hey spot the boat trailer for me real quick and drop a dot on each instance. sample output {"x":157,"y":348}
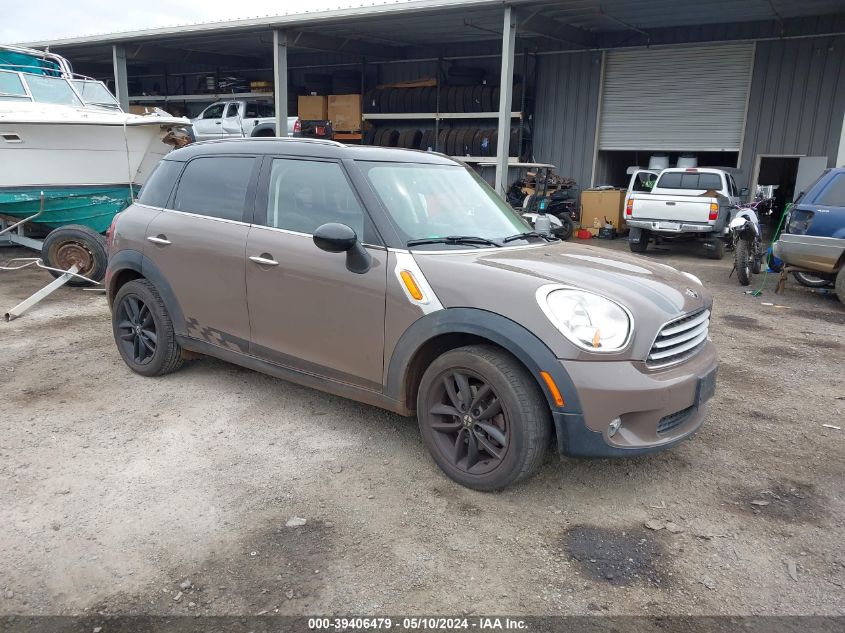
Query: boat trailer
{"x":14,"y":234}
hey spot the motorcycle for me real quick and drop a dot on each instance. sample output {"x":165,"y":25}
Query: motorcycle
{"x":747,"y":240}
{"x":559,"y":211}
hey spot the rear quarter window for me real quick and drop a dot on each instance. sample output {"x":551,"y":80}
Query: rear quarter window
{"x":156,"y":191}
{"x":833,"y":195}
{"x":215,"y":186}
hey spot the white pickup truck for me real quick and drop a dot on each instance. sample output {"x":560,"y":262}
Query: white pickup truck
{"x":681,"y":203}
{"x":238,"y":119}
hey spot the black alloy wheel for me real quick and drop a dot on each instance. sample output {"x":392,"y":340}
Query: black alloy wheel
{"x":483,"y":417}
{"x":136,"y":328}
{"x":470,"y":424}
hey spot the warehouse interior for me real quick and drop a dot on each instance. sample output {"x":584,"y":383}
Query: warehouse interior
{"x":592,"y":88}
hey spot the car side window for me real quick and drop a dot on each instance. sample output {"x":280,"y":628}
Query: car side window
{"x":215,"y":186}
{"x":213,"y":112}
{"x":156,"y":191}
{"x":833,"y":195}
{"x":305,"y":194}
{"x":232,"y":110}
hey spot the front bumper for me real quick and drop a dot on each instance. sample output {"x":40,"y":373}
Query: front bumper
{"x":657,"y":409}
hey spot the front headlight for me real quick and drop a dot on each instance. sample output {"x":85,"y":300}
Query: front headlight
{"x":588,"y":320}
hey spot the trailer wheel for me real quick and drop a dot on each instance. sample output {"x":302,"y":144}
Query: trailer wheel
{"x":76,"y":244}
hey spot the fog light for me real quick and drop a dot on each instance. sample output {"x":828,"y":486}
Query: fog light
{"x":613,"y":427}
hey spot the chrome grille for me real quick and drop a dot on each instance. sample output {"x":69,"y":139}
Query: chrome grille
{"x":679,"y":339}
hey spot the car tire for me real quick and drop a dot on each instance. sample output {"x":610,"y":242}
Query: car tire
{"x":143,"y":330}
{"x":811,"y":281}
{"x":717,"y":249}
{"x":839,"y":285}
{"x":742,"y":261}
{"x":76,"y":244}
{"x":493,"y":432}
{"x":642,"y":245}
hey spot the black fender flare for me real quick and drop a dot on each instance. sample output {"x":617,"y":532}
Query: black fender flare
{"x":135,"y":260}
{"x":261,"y":127}
{"x":509,"y":335}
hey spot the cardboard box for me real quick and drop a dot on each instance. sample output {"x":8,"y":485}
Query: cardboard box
{"x":598,"y":204}
{"x":345,"y":112}
{"x":312,"y":108}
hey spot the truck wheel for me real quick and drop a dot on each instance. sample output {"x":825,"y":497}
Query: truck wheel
{"x":717,"y":249}
{"x":742,"y":260}
{"x":641,"y":245}
{"x":483,"y":417}
{"x":76,"y":244}
{"x":840,"y":285}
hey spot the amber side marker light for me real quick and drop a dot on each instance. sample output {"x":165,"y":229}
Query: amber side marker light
{"x":550,"y":383}
{"x":411,"y":285}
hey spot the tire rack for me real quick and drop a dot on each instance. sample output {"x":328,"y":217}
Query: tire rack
{"x":465,"y":102}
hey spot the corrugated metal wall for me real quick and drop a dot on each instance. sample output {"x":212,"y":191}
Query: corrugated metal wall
{"x":797,"y":100}
{"x":565,"y":113}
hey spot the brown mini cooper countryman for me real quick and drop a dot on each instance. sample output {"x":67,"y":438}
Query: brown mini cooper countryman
{"x":400,"y":279}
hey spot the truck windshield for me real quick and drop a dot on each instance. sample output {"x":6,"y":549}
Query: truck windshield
{"x":690,"y":180}
{"x":427,"y":201}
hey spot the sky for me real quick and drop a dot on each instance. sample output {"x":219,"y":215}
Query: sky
{"x":36,"y":20}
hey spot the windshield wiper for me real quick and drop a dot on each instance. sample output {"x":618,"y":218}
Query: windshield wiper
{"x":453,"y":239}
{"x":521,"y":236}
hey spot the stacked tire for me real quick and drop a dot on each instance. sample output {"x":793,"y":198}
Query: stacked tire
{"x":464,"y":141}
{"x":446,"y":99}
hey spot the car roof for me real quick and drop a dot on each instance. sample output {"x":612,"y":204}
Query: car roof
{"x":307,"y":147}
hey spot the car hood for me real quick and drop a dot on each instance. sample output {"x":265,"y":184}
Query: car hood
{"x":506,"y":281}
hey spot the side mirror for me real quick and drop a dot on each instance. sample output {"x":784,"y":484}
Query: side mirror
{"x":340,"y":238}
{"x":743,"y":191}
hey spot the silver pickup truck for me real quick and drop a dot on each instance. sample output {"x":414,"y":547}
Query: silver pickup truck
{"x":238,"y":118}
{"x":683,"y":204}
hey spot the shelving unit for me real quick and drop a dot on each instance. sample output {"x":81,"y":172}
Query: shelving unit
{"x":432,"y":116}
{"x":217,"y":96}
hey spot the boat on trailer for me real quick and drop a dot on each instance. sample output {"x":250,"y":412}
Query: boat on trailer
{"x":70,"y":157}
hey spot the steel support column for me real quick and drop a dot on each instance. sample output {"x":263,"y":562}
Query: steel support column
{"x":280,"y":81}
{"x":505,"y":99}
{"x":121,"y":77}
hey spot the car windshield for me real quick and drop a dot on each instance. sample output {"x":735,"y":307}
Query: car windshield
{"x":428,"y":201}
{"x":95,"y":93}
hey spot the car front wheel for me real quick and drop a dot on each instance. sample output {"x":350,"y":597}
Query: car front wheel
{"x":483,"y":417}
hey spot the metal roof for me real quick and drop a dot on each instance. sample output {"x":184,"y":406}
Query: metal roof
{"x":385,"y":30}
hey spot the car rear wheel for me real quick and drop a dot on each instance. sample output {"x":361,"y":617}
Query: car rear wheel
{"x":483,"y":417}
{"x":143,"y":330}
{"x":840,"y":285}
{"x":811,"y":281}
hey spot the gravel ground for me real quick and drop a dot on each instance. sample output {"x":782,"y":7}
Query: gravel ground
{"x":126,"y":495}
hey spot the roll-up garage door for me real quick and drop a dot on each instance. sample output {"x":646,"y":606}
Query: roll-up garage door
{"x":682,"y":99}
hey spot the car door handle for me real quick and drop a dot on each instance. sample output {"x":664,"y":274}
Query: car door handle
{"x":264,"y":260}
{"x":671,"y":204}
{"x":218,"y":123}
{"x":159,"y":239}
